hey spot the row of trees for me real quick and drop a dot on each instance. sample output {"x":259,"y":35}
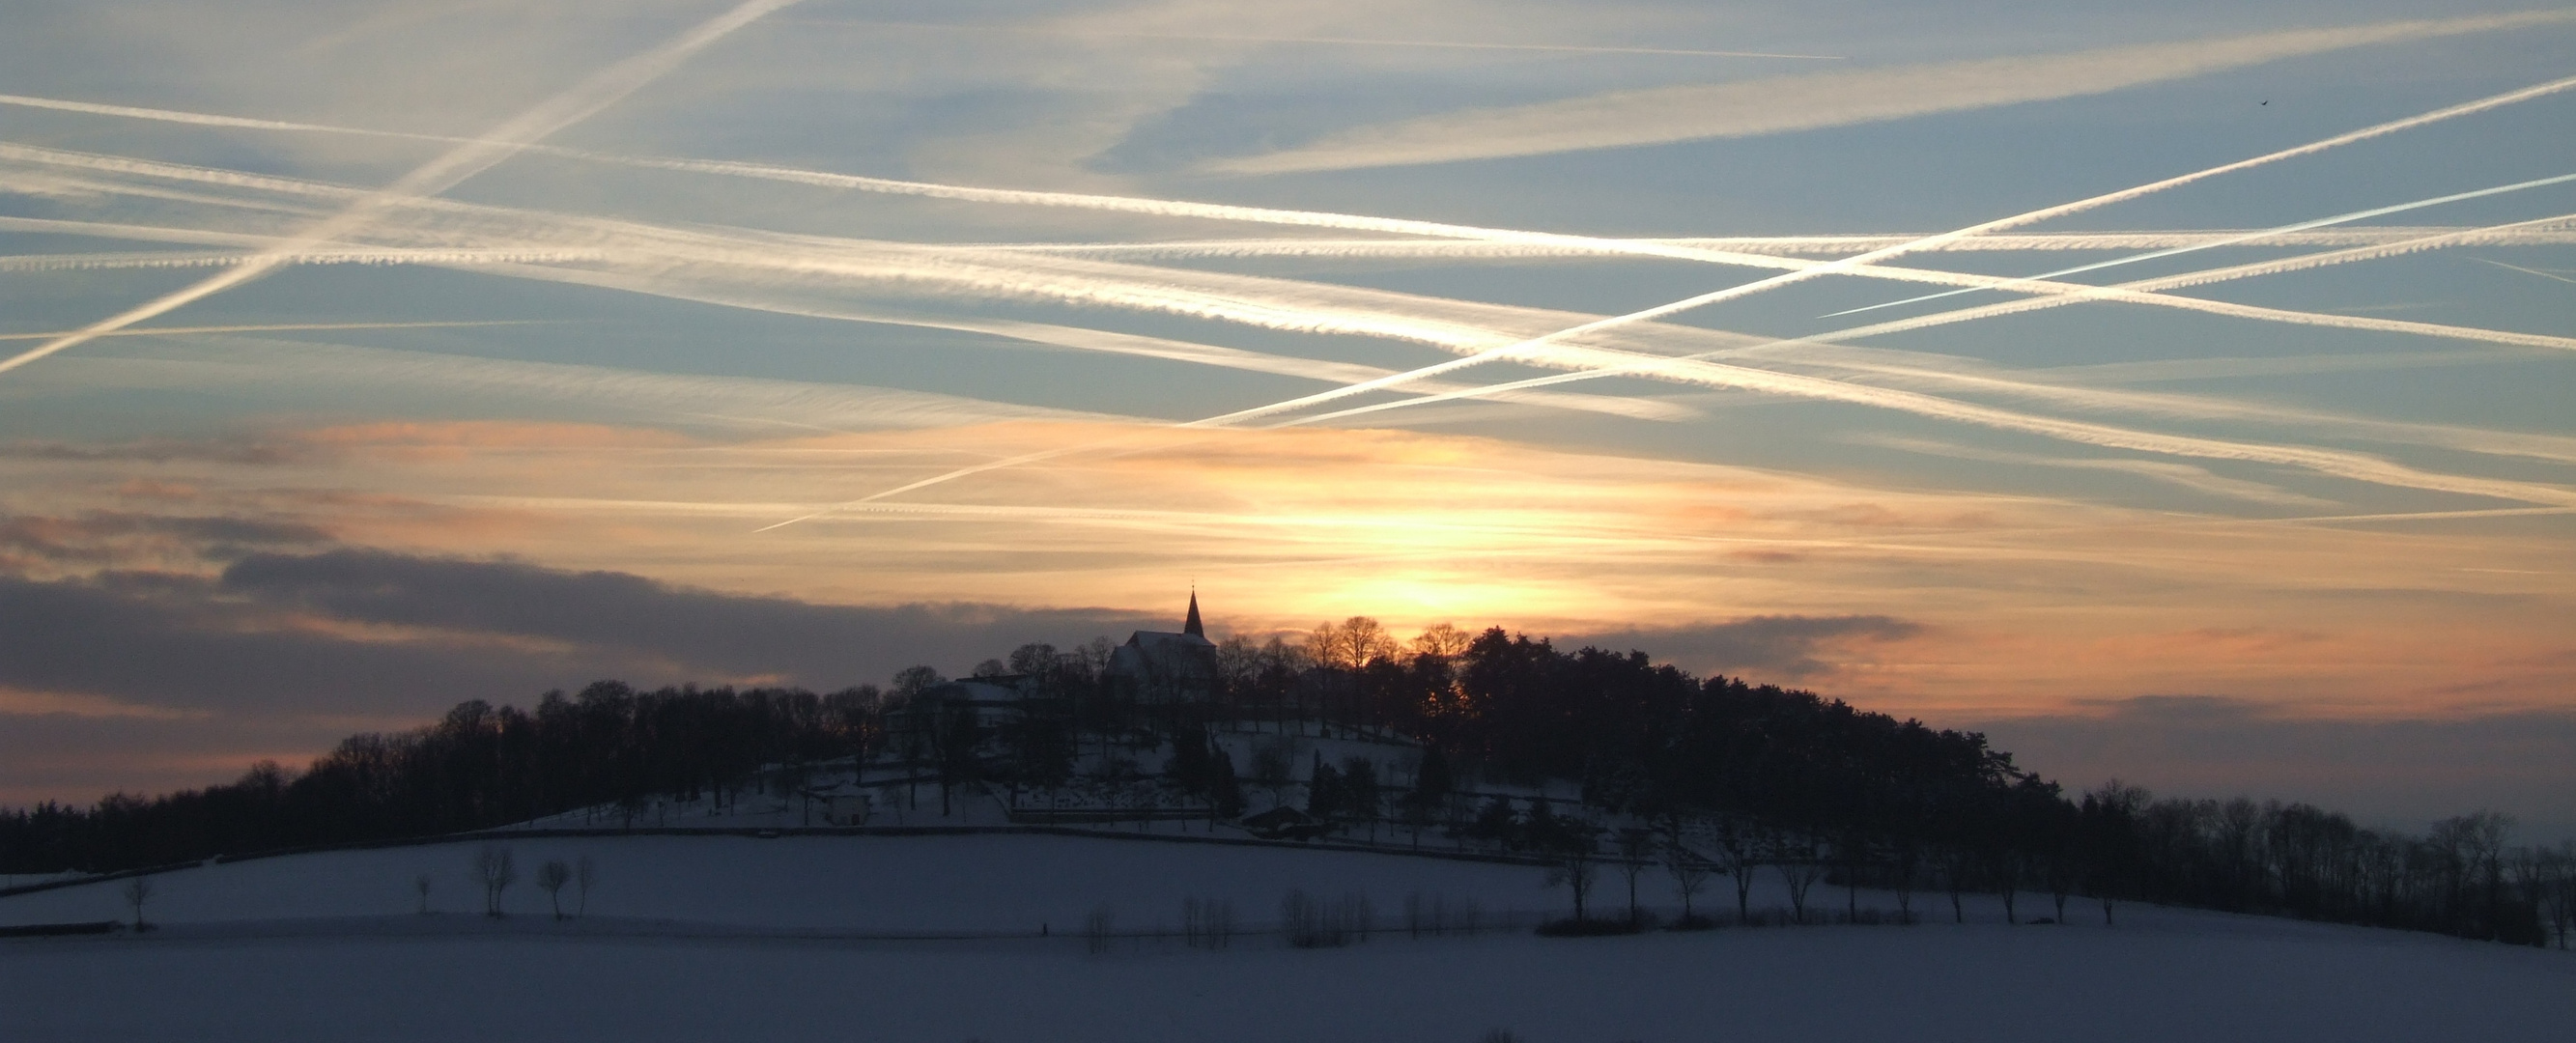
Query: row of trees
{"x":1737,"y":775}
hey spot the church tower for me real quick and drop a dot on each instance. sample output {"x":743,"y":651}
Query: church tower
{"x":1193,"y":627}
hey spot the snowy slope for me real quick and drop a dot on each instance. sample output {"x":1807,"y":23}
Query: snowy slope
{"x":968,"y":883}
{"x":325,"y":947}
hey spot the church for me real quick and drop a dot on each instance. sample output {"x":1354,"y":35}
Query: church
{"x":1167,"y":666}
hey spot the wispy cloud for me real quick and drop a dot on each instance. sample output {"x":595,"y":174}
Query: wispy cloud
{"x":1828,"y":99}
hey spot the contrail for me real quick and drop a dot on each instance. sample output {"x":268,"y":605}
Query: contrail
{"x":598,"y":91}
{"x":1534,"y":243}
{"x":2150,"y":291}
{"x":1077,"y":338}
{"x":1240,"y":298}
{"x":917,"y":485}
{"x":2264,"y":235}
{"x":2356,"y":466}
{"x":1883,"y":253}
{"x":202,"y":119}
{"x":178,"y":259}
{"x":923,"y":189}
{"x":2523,"y":270}
{"x":293,"y":327}
{"x":1842,"y":265}
{"x":2140,"y":292}
{"x":1842,"y":97}
{"x":1808,"y":101}
{"x":768,"y":251}
{"x":1749,"y":246}
{"x":1345,"y":41}
{"x":1729,"y":251}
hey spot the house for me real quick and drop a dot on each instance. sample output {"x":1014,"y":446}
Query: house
{"x":1167,"y":666}
{"x":842,"y":803}
{"x":996,"y":700}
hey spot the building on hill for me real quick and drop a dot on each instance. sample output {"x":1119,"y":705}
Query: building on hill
{"x":996,"y":699}
{"x":1167,"y":666}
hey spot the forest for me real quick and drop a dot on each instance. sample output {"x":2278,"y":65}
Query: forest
{"x":1733,"y":777}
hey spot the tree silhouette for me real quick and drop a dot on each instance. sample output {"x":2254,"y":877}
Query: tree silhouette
{"x":496,"y":871}
{"x":552,"y":877}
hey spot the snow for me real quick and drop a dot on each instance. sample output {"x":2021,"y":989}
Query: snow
{"x":735,"y":937}
{"x":966,"y":883}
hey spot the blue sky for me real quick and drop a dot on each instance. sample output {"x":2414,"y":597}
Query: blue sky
{"x":856,"y":307}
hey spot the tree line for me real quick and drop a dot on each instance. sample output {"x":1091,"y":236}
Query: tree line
{"x":1733,"y":776}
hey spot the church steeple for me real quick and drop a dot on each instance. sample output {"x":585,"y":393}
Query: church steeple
{"x":1193,"y":627}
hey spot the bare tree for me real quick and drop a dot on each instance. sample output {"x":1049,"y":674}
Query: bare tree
{"x":496,"y":871}
{"x":1739,"y":853}
{"x":584,"y":873}
{"x":2558,"y":903}
{"x":1351,"y":644}
{"x":1576,"y":870}
{"x":1958,"y":873}
{"x":552,"y":877}
{"x":1689,"y":871}
{"x":1800,"y":867}
{"x":420,"y":884}
{"x":1636,"y":852}
{"x":1443,"y":640}
{"x":137,"y":890}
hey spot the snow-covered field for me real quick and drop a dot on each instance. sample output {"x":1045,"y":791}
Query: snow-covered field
{"x":736,"y":938}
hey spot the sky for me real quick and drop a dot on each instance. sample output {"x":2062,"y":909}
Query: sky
{"x":2176,"y":392}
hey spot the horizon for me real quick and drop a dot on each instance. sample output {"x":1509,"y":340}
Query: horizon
{"x":368,"y":358}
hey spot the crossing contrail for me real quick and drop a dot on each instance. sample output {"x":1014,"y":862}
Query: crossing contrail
{"x":598,"y":91}
{"x":1729,"y":377}
{"x":1269,"y":303}
{"x":1844,"y":265}
{"x":2317,"y":459}
{"x":1749,"y":248}
{"x":2143,"y":292}
{"x":1606,"y":361}
{"x":2263,"y":235}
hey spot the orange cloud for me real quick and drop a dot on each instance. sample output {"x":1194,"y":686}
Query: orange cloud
{"x":2022,"y":603}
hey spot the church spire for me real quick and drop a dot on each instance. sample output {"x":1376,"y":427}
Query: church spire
{"x":1194,"y":628}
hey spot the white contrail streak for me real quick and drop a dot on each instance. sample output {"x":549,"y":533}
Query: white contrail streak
{"x":1883,"y":253}
{"x":1271,"y":303}
{"x":2356,"y":466}
{"x":1454,"y":240}
{"x":357,"y":256}
{"x":2523,"y":270}
{"x":289,"y":327}
{"x":931,"y":190}
{"x":1842,"y":97}
{"x":201,"y":119}
{"x":1729,"y":377}
{"x":1443,"y":338}
{"x":1748,"y":246}
{"x":2150,"y":291}
{"x":598,"y":91}
{"x":1344,"y":41}
{"x":2313,"y":458}
{"x":1075,"y":338}
{"x":2140,"y":292}
{"x":2264,"y":235}
{"x":1729,"y":251}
